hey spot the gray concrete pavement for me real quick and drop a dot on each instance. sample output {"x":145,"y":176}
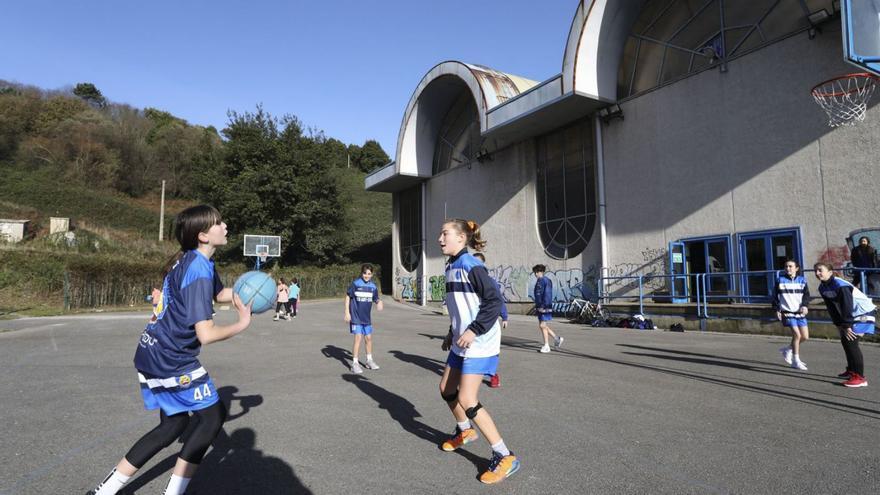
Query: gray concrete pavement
{"x":615,"y":411}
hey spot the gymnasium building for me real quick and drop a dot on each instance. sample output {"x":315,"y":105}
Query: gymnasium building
{"x":680,"y":136}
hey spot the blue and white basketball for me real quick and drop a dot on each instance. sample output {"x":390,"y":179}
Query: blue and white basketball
{"x":258,"y":287}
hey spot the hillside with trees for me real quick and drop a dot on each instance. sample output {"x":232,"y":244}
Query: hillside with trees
{"x":75,"y":153}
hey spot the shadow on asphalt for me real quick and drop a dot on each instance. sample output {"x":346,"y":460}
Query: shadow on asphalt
{"x":339,"y":354}
{"x":233,"y":465}
{"x":432,"y":365}
{"x":772,"y":390}
{"x":405,"y":413}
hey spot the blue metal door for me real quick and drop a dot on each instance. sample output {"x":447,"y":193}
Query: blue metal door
{"x":678,"y":286}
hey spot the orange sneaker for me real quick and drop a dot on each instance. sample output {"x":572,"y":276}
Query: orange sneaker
{"x":460,"y":438}
{"x":501,"y":467}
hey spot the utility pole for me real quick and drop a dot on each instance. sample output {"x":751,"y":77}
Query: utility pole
{"x":348,"y":158}
{"x":162,"y":213}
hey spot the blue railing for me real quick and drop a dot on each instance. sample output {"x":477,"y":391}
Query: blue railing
{"x":696,"y":287}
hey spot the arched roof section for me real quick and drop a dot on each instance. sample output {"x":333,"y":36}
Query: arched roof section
{"x":595,"y":45}
{"x":433,"y":96}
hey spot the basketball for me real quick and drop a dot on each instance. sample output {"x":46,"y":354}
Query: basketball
{"x":258,"y":287}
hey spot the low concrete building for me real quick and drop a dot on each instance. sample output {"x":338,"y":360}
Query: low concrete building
{"x":13,"y":230}
{"x":675,"y":140}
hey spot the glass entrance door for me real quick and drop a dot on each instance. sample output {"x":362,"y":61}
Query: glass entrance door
{"x":766,"y":251}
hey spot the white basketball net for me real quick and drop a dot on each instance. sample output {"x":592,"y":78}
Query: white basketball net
{"x":845,"y":99}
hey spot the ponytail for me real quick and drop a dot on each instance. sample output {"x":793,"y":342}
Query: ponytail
{"x":471,"y":229}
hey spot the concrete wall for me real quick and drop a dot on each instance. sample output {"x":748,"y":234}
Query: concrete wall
{"x":746,"y":150}
{"x":500,"y":196}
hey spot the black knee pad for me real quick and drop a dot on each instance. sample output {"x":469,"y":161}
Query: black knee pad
{"x":170,"y":427}
{"x":471,"y":412}
{"x":210,"y":421}
{"x":450,"y":397}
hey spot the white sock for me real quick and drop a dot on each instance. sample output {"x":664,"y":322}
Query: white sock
{"x":112,"y":483}
{"x":501,"y":448}
{"x":795,"y":358}
{"x":369,"y":357}
{"x":176,"y":485}
{"x":464,"y":425}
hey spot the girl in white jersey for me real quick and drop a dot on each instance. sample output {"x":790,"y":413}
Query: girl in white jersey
{"x":171,"y":376}
{"x":474,"y":342}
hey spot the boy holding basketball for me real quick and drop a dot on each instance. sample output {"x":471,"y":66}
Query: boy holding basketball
{"x":359,"y":299}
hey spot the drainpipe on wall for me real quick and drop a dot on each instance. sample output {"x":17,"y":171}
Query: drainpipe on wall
{"x":600,"y":178}
{"x":424,"y":261}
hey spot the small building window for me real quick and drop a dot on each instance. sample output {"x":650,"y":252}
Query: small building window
{"x":566,"y":189}
{"x":410,"y":228}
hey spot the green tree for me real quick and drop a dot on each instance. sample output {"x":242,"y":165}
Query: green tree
{"x":372,"y":156}
{"x":91,"y":94}
{"x":273,"y":178}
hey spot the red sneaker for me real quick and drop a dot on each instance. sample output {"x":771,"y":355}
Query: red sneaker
{"x":495,"y":381}
{"x":856,"y":380}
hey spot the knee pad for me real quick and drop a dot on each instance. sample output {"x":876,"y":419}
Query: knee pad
{"x":471,"y":412}
{"x":450,"y":397}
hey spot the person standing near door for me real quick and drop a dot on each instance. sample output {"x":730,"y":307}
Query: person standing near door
{"x":790,"y":298}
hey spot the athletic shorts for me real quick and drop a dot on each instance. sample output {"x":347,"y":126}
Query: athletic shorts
{"x":188,"y":392}
{"x":361,"y":329}
{"x":545,"y":317}
{"x":864,"y":324}
{"x":793,"y":320}
{"x":473,"y":366}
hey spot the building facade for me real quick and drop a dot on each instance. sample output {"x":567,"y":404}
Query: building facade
{"x":679,"y":137}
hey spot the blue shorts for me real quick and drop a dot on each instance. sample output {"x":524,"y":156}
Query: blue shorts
{"x":794,"y":321}
{"x":473,"y":366}
{"x":545,"y":317}
{"x":864,"y":324}
{"x":361,"y":329}
{"x":189,"y":392}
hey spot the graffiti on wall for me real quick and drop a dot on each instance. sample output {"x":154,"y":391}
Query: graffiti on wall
{"x":653,"y":267}
{"x":517,"y":283}
{"x":437,"y":285}
{"x":835,"y":256}
{"x":407,"y":285}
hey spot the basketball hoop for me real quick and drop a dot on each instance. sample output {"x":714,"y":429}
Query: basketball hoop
{"x":263,"y":258}
{"x":845,"y":98}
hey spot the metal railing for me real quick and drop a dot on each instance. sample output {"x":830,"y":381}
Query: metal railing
{"x":697,"y":288}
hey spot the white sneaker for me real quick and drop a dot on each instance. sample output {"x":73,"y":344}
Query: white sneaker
{"x":545,"y":349}
{"x":356,"y":368}
{"x":558,"y":341}
{"x":799,"y":365}
{"x":786,"y":354}
{"x":371,"y":365}
{"x":275,"y":319}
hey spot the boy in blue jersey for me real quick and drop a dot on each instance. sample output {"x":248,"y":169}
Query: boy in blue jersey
{"x":544,"y":308}
{"x":359,"y":299}
{"x":854,"y":315}
{"x":790,"y":298}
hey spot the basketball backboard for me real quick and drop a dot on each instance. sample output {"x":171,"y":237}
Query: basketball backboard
{"x":861,"y":33}
{"x":266,"y":245}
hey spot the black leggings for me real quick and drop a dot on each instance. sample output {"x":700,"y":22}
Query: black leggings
{"x":292,"y":306}
{"x":207,"y":424}
{"x":854,"y":360}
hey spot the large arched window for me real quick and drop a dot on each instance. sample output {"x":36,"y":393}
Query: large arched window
{"x":566,"y":189}
{"x":410,"y":225}
{"x":674,"y":38}
{"x":459,"y":134}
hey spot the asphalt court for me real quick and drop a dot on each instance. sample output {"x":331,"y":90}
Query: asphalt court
{"x":614,"y":411}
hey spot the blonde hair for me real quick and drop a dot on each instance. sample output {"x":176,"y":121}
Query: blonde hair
{"x":471,"y":229}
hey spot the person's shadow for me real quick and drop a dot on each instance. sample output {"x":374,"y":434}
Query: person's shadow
{"x":405,"y":413}
{"x":429,"y":364}
{"x":338,"y":353}
{"x":233,"y":465}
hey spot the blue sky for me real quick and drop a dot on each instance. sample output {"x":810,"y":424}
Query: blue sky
{"x":343,"y":66}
